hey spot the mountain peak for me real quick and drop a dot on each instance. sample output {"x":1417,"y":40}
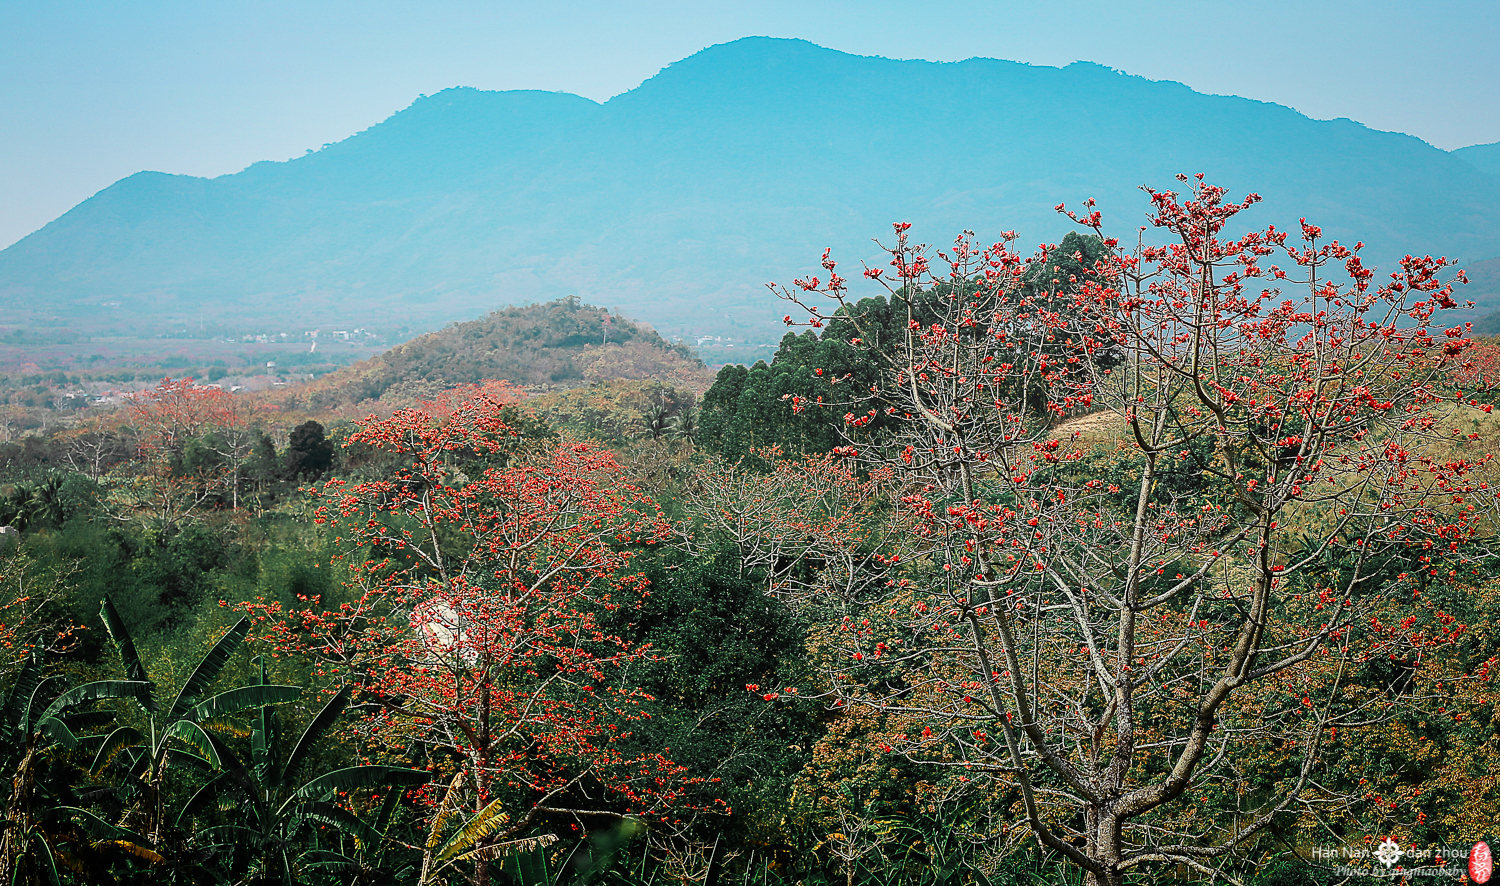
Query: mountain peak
{"x":676,"y":201}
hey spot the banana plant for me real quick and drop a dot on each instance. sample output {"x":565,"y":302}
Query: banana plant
{"x":285,"y":802}
{"x":176,"y":736}
{"x":367,"y":864}
{"x":42,"y":829}
{"x":473,"y":838}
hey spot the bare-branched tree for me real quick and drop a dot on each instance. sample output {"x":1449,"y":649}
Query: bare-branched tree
{"x":1107,"y":615}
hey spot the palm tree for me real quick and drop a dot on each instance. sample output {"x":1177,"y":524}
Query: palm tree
{"x":33,"y":505}
{"x":656,"y":422}
{"x":684,"y":425}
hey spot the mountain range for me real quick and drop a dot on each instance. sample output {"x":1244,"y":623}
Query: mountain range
{"x":676,"y":201}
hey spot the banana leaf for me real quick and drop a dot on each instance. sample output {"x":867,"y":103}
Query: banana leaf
{"x":209,"y":667}
{"x":126,"y":647}
{"x":315,"y":730}
{"x":92,"y":692}
{"x":242,"y":699}
{"x":336,"y":816}
{"x":359,"y":777}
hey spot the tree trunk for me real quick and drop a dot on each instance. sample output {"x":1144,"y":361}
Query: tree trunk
{"x":18,"y":815}
{"x":481,"y":782}
{"x":1104,"y":838}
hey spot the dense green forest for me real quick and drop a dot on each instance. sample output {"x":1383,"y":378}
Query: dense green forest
{"x":873,"y":612}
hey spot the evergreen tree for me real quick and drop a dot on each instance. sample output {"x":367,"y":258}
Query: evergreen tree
{"x":308,"y":452}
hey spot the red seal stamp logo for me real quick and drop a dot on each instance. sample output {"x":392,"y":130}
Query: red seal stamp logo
{"x":1481,"y":863}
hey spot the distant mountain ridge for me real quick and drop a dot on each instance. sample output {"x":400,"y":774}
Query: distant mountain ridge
{"x":1485,"y":158}
{"x":675,"y":202}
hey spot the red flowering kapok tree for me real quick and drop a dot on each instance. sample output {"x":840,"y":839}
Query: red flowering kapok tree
{"x":478,"y":579}
{"x":192,"y":441}
{"x":1175,"y":604}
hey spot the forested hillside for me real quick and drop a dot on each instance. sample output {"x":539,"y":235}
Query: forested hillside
{"x":564,"y":343}
{"x":1484,"y":277}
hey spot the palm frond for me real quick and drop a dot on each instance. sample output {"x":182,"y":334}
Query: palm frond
{"x":387,"y":811}
{"x":204,"y":798}
{"x":228,"y":725}
{"x":194,"y":736}
{"x":97,"y":827}
{"x":181,"y":759}
{"x":131,"y":848}
{"x":22,"y":688}
{"x":56,"y":730}
{"x":227,"y":835}
{"x":507,"y":848}
{"x":328,"y":859}
{"x":336,"y":816}
{"x":263,"y":737}
{"x":38,"y":692}
{"x":446,"y":809}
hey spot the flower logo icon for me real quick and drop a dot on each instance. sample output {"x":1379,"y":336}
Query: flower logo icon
{"x":1481,"y":863}
{"x":1389,"y":852}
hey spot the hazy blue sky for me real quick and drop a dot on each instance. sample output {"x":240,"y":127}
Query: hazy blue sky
{"x":93,"y":91}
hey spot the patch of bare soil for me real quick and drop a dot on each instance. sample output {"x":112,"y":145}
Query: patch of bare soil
{"x":1094,"y":426}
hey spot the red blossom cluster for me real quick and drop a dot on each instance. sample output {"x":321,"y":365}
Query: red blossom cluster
{"x":481,"y":605}
{"x":1081,"y":610}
